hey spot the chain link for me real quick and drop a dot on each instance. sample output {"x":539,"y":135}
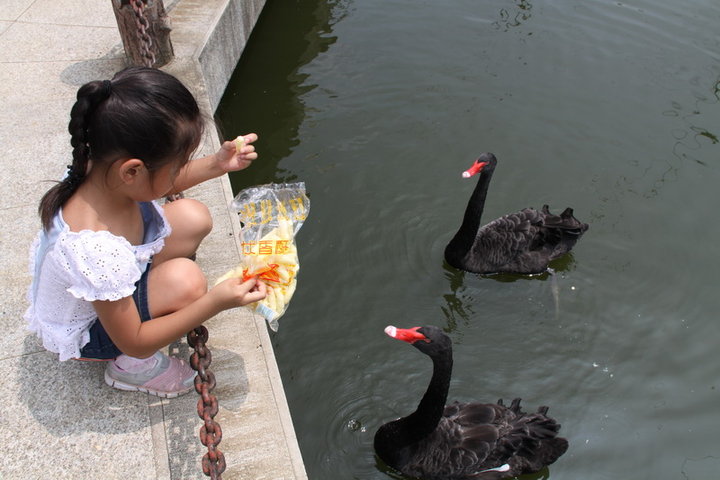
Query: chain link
{"x":142,"y":23}
{"x":213,"y":462}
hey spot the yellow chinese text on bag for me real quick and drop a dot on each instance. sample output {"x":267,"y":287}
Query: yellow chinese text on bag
{"x":271,"y":216}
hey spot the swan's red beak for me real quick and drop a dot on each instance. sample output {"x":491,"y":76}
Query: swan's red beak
{"x":409,"y":335}
{"x":477,"y":166}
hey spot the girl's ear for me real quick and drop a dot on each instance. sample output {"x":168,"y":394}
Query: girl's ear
{"x":131,"y":169}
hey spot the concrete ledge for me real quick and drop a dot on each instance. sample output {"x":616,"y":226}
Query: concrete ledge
{"x":225,"y":44}
{"x":212,"y":64}
{"x":218,"y":47}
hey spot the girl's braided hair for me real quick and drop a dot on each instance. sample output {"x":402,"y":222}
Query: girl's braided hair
{"x":142,"y":113}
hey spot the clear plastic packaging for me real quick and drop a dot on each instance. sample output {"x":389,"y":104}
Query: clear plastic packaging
{"x":271,"y":216}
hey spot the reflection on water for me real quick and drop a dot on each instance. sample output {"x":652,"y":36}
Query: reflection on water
{"x":608,"y":107}
{"x":515,"y":16}
{"x":695,"y":130}
{"x":268,"y":83}
{"x":456,"y":309}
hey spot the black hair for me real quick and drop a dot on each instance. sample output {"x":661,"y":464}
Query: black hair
{"x":142,"y":113}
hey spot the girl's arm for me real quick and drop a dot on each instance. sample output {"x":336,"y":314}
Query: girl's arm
{"x":226,"y":159}
{"x":141,"y":339}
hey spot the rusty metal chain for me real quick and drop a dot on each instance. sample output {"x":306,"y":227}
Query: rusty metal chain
{"x":213,"y":462}
{"x":142,"y":23}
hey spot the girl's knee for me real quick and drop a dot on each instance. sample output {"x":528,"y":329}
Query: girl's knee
{"x":188,"y":279}
{"x":175,"y":284}
{"x":191,"y":222}
{"x":193,"y":215}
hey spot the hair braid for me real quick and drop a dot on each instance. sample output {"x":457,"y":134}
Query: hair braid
{"x":89,"y":97}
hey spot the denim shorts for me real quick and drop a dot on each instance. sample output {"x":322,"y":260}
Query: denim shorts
{"x":100,"y":346}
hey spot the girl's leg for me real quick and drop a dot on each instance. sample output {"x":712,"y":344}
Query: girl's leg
{"x":191,"y":222}
{"x":171,"y":285}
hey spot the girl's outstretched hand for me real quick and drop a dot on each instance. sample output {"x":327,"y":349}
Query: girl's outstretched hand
{"x":231,"y":160}
{"x":233,"y":292}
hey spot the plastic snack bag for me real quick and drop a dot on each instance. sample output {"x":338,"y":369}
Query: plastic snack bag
{"x":271,"y":216}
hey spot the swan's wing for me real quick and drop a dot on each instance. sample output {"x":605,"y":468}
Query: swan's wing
{"x":482,"y":423}
{"x":524,"y":242}
{"x":565,"y":221}
{"x":471,"y":413}
{"x":499,"y":242}
{"x":556,"y":234}
{"x":497,"y":441}
{"x":514,"y":228}
{"x":515,"y":223}
{"x":527,"y":441}
{"x":462,"y":442}
{"x":449,"y":452}
{"x":487,"y":442}
{"x":528,"y":223}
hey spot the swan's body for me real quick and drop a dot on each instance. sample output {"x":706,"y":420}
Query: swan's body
{"x":523,"y":242}
{"x":464,"y":441}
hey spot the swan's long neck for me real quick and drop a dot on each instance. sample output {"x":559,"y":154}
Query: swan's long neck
{"x":395,"y":442}
{"x":425,"y":418}
{"x":465,"y":236}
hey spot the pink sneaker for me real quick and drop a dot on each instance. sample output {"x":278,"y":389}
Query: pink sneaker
{"x":166,"y":377}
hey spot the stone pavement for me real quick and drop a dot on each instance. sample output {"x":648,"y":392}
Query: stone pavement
{"x":60,"y":420}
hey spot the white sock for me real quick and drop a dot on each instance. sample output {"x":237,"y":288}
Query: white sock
{"x":135,"y":365}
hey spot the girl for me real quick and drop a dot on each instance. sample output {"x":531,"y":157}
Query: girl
{"x":112,"y":275}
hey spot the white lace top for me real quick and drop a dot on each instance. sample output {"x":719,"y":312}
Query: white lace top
{"x":72,"y":269}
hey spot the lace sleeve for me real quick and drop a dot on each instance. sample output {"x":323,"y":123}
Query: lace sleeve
{"x":100,"y":265}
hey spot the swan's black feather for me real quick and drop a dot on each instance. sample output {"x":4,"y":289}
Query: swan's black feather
{"x":464,"y":441}
{"x":521,"y":242}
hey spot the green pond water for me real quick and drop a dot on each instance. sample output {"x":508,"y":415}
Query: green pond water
{"x":612,"y":108}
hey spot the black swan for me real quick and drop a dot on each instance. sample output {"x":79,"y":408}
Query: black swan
{"x":463,"y":441}
{"x":523,"y":242}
